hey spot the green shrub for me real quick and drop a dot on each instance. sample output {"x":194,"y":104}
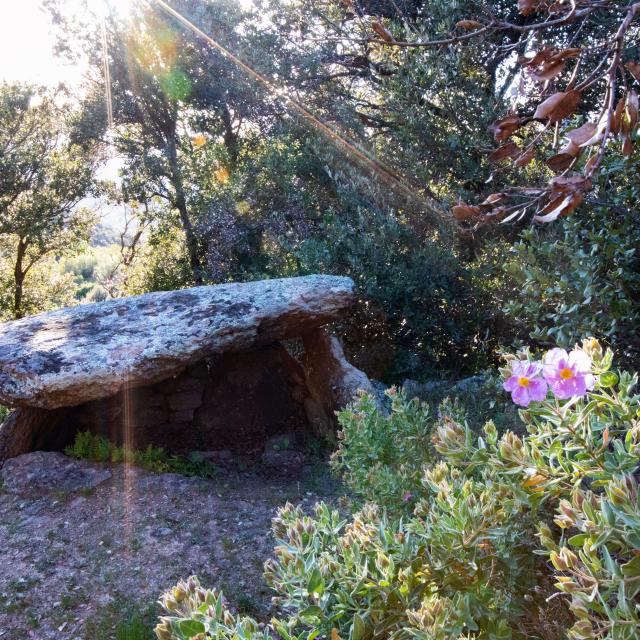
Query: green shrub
{"x":513,"y":537}
{"x":581,"y":275}
{"x":198,"y":613}
{"x":4,"y":412}
{"x":92,"y":447}
{"x":419,"y":310}
{"x":381,"y":457}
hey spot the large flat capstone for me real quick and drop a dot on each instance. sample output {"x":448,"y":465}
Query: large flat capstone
{"x":79,"y":354}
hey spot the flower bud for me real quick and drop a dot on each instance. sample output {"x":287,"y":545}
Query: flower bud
{"x":593,"y":349}
{"x":579,"y":608}
{"x":179,"y":592}
{"x":163,"y":629}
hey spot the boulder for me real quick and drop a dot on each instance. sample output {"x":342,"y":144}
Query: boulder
{"x":75,"y":355}
{"x":202,"y":369}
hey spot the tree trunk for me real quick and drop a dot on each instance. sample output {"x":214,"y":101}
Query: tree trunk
{"x":230,"y":137}
{"x":180,"y":203}
{"x":18,"y":276}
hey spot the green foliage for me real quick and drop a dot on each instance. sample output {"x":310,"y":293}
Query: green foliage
{"x":4,"y":412}
{"x":200,"y":614}
{"x":580,"y":276}
{"x":400,"y":275}
{"x":88,"y":446}
{"x":120,"y":620}
{"x":43,"y":180}
{"x":381,"y":457}
{"x":163,"y":265}
{"x":512,"y":537}
{"x":45,"y":286}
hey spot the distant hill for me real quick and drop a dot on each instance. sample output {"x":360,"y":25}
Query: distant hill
{"x":104,"y":235}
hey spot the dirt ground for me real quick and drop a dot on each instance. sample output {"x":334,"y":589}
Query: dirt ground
{"x":84,"y":562}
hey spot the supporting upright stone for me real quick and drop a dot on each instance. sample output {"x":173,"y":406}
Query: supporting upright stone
{"x":28,"y":429}
{"x":332,"y":381}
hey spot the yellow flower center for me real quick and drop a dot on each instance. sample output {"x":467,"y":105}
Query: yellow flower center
{"x":566,"y":373}
{"x":523,"y":382}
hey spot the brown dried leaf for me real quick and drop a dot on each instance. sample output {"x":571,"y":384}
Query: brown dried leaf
{"x":558,"y":106}
{"x":557,"y":7}
{"x":504,"y":127}
{"x":618,"y":116}
{"x":560,"y":206}
{"x":464,"y":211}
{"x":548,"y":55}
{"x":568,"y":184}
{"x":506,"y":151}
{"x":627,"y":146}
{"x":468,"y":25}
{"x":560,"y":162}
{"x":525,"y":158}
{"x":382,"y":31}
{"x":634,"y":69}
{"x":548,"y":71}
{"x":538,"y":58}
{"x":582,"y":134}
{"x":527,"y":7}
{"x":494,"y":198}
{"x":588,"y":165}
{"x":632,"y":109}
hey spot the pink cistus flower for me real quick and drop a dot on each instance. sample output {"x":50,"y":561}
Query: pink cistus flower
{"x":525,"y":383}
{"x":568,"y":374}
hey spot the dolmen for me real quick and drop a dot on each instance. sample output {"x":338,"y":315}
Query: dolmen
{"x":210,"y":368}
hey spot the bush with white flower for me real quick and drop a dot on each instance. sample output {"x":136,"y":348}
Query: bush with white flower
{"x":531,"y":536}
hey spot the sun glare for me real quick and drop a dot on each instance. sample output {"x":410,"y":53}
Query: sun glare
{"x":103,"y":8}
{"x":27,"y":41}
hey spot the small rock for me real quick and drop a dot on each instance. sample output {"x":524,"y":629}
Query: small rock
{"x":50,"y":472}
{"x":285,"y":463}
{"x":221,"y":458}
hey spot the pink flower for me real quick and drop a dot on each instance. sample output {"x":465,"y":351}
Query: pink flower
{"x":568,"y":374}
{"x":525,"y":383}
